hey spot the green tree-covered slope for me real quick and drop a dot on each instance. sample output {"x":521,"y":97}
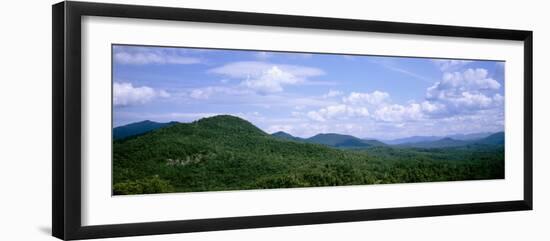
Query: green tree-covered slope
{"x":137,"y":128}
{"x":228,"y":153}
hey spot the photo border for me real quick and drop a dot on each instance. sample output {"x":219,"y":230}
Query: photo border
{"x":67,"y":132}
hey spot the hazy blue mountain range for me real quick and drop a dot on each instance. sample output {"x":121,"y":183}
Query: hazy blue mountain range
{"x":331,"y":139}
{"x":473,"y":136}
{"x":445,"y":142}
{"x":415,"y":139}
{"x":351,"y":142}
{"x":412,"y":139}
{"x":493,"y":139}
{"x":343,"y":141}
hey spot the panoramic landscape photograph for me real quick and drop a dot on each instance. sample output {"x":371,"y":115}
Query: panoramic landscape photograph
{"x":199,"y":119}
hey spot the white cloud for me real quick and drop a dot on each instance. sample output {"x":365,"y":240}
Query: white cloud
{"x":399,"y":113}
{"x":476,"y":101}
{"x":332,"y":93}
{"x":459,"y":93}
{"x":142,"y":56}
{"x":374,"y":98}
{"x":309,"y":129}
{"x":272,"y":80}
{"x":356,"y":105}
{"x":360,"y":111}
{"x":251,"y":69}
{"x":450,"y":64}
{"x":200,"y":94}
{"x":432,"y":107}
{"x":337,"y":112}
{"x":454,"y":84}
{"x":125,"y":94}
{"x":473,"y":100}
{"x":465,"y":91}
{"x":314,"y":115}
{"x":265,"y":77}
{"x":498,"y":98}
{"x":207,"y":92}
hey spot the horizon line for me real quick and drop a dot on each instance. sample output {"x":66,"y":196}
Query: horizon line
{"x":320,"y":133}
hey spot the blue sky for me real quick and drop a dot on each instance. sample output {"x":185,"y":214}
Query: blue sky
{"x":306,"y":94}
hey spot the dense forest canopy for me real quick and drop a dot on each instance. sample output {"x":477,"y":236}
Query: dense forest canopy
{"x":228,"y":153}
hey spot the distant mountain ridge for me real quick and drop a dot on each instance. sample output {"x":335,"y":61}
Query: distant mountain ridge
{"x":286,"y":136}
{"x":332,"y":139}
{"x":445,"y":142}
{"x":496,"y":139}
{"x":137,"y":128}
{"x":417,"y":139}
{"x":472,"y":136}
{"x":412,"y":139}
{"x":329,"y":139}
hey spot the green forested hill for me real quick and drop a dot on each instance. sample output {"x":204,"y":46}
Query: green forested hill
{"x":285,"y":136}
{"x":137,"y":128}
{"x":332,"y":139}
{"x":229,"y":153}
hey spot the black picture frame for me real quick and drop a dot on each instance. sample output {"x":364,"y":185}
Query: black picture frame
{"x":66,"y":127}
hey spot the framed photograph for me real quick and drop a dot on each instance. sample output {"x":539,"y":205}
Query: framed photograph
{"x":170,"y":120}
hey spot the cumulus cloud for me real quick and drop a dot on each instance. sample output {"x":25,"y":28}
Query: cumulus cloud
{"x":465,"y":91}
{"x":207,"y":92}
{"x":265,"y":77}
{"x":272,"y":80}
{"x":333,"y":93}
{"x":152,"y":55}
{"x":446,"y":65}
{"x":457,"y":93}
{"x":125,"y":94}
{"x":412,"y":111}
{"x":354,"y":105}
{"x":374,"y":98}
{"x":338,"y":112}
{"x":398,"y":113}
{"x":473,"y":100}
{"x":433,"y":107}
